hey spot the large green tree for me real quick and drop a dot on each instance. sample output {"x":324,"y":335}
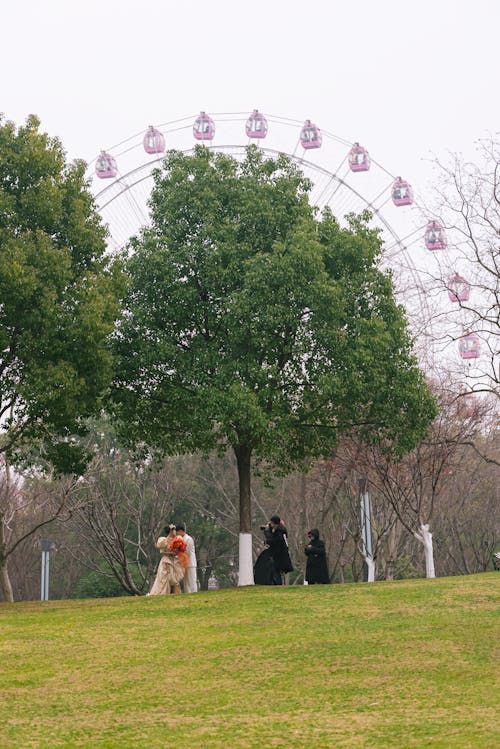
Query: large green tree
{"x":255,"y":325}
{"x":58,"y":294}
{"x":58,"y":300}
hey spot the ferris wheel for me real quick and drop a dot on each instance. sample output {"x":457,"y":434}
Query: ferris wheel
{"x":344,"y":176}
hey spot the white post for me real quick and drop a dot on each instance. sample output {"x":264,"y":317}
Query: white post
{"x":44,"y":586}
{"x":366,"y":528}
{"x":42,"y":578}
{"x":47,"y":575}
{"x":245,"y":574}
{"x":425,"y":538}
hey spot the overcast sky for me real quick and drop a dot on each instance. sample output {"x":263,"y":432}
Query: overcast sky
{"x":405,"y":78}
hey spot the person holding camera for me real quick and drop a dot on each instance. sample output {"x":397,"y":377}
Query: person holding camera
{"x":274,"y":562}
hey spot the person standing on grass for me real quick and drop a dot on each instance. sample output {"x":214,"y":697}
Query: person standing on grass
{"x":264,"y":571}
{"x":277,"y":540}
{"x":316,"y":567}
{"x":172,"y":563}
{"x":190,"y":577}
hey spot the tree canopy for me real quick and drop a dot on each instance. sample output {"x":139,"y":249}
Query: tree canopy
{"x":254,"y":324}
{"x":58,"y":296}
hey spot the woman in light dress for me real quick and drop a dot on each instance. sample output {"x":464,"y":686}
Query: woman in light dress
{"x":171,"y":568}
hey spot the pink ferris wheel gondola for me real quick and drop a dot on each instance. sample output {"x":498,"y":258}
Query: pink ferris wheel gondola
{"x":458,"y":288}
{"x":105,"y":166}
{"x":435,"y":236}
{"x":310,"y":135}
{"x":256,"y":125}
{"x":468,"y":346}
{"x":401,"y":193}
{"x":359,"y":159}
{"x":154,"y":141}
{"x":203,"y":127}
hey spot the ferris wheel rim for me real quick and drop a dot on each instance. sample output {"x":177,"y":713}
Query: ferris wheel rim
{"x":165,"y":127}
{"x":300,"y":160}
{"x":395,"y":254}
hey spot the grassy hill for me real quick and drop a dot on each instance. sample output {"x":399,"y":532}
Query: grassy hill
{"x":403,"y":664}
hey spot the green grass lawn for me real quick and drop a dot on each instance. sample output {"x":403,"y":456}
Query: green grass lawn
{"x":404,"y":664}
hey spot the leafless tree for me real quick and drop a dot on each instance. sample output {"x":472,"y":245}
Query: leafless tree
{"x":414,"y":485}
{"x":467,"y":518}
{"x":120,"y":507}
{"x":327,"y":497}
{"x":337,"y":482}
{"x":27,"y":504}
{"x":467,"y":205}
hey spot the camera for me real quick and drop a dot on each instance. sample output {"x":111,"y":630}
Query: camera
{"x":264,"y":527}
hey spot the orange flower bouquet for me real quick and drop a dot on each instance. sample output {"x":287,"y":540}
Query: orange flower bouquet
{"x":178,"y":544}
{"x":178,"y":547}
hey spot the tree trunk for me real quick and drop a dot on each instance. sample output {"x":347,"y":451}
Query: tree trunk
{"x":370,"y":565}
{"x":244,"y":458}
{"x":5,"y":584}
{"x":425,"y":538}
{"x":205,"y":576}
{"x":341,"y":573}
{"x":389,"y":569}
{"x":392,"y":550}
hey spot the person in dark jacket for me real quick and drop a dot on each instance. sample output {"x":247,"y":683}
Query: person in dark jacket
{"x":277,"y":538}
{"x":316,"y":567}
{"x":274,"y":562}
{"x":264,"y":571}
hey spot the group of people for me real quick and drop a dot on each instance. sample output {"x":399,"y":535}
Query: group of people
{"x":177,"y":563}
{"x":273,"y":564}
{"x":177,"y":567}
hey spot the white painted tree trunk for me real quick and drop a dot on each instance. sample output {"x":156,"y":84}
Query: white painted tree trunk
{"x":425,"y":538}
{"x":245,"y":574}
{"x":370,"y":563}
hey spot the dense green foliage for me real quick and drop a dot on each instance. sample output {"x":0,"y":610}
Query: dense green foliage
{"x":250,"y":322}
{"x":385,"y":666}
{"x":58,"y":296}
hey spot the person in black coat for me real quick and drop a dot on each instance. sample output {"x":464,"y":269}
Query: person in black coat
{"x":316,"y":567}
{"x":274,"y":562}
{"x":264,"y":571}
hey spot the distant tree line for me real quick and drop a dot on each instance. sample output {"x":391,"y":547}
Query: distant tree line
{"x":104,"y":537}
